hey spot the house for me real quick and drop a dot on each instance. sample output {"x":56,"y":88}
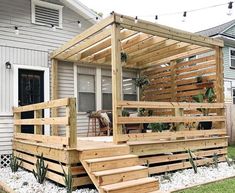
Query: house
{"x":29,"y":30}
{"x":226,"y":32}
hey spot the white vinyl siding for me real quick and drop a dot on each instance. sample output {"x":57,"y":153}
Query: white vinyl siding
{"x":6,"y":133}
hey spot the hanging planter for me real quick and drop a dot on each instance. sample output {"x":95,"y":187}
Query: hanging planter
{"x":142,"y":81}
{"x":124,"y":57}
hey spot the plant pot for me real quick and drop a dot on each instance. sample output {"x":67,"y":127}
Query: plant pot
{"x":145,"y":127}
{"x":148,"y":131}
{"x":205,"y":125}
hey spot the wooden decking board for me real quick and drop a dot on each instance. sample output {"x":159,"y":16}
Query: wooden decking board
{"x":127,"y":184}
{"x":110,"y":158}
{"x":119,"y":170}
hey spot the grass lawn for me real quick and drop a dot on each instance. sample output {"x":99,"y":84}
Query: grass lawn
{"x":226,"y":186}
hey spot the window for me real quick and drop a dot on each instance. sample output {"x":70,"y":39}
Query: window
{"x":44,"y":13}
{"x":232,"y":57}
{"x":129,"y":89}
{"x":86,"y":93}
{"x":106,"y":87}
{"x":233,"y":95}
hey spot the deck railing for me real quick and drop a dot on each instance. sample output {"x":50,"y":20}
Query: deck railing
{"x":175,"y":113}
{"x":69,"y":121}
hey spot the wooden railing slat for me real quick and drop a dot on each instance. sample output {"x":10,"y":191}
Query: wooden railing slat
{"x":170,"y":119}
{"x":43,"y":121}
{"x":44,"y":105}
{"x":156,"y":105}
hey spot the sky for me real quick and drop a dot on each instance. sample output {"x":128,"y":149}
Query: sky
{"x":147,"y":9}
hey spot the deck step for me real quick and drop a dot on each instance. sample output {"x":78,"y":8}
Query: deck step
{"x":105,"y":152}
{"x":143,"y":185}
{"x":121,"y":174}
{"x":107,"y":163}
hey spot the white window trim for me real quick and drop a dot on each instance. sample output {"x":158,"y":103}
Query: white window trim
{"x":46,"y":87}
{"x":48,"y":5}
{"x":232,"y":67}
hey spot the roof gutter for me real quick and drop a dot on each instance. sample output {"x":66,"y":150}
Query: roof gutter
{"x":81,"y":9}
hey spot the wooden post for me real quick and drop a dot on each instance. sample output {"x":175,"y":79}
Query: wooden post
{"x":116,"y":79}
{"x":17,"y":128}
{"x":219,"y":87}
{"x":37,"y":128}
{"x":219,"y":75}
{"x":173,"y":82}
{"x":71,"y":128}
{"x":54,"y":92}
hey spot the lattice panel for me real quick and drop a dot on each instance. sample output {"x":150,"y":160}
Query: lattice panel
{"x":5,"y":160}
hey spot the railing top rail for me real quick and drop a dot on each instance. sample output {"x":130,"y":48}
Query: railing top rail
{"x":158,"y":105}
{"x":43,"y":105}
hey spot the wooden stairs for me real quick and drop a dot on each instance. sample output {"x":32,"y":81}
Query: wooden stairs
{"x":114,"y":170}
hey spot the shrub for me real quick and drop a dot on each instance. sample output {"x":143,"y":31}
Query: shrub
{"x":40,"y":175}
{"x":14,"y":163}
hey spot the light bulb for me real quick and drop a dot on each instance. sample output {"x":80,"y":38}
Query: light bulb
{"x":136,"y":19}
{"x":79,"y":24}
{"x":17,"y":32}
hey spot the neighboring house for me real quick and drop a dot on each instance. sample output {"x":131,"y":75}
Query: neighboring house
{"x":29,"y":31}
{"x":226,"y":32}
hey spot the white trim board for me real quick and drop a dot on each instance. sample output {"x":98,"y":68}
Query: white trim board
{"x":46,"y":87}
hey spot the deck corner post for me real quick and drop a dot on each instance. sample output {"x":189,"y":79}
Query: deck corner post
{"x":116,"y":79}
{"x":71,"y":129}
{"x":54,"y":92}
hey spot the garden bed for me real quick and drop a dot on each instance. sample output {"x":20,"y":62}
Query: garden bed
{"x":187,"y":178}
{"x":24,"y":182}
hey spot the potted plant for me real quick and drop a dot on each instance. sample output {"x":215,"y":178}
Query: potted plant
{"x":157,"y":127}
{"x":142,"y":81}
{"x":208,"y":97}
{"x":145,"y":113}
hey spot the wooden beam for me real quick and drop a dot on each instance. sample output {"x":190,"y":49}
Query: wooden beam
{"x":116,"y":79}
{"x":89,"y":32}
{"x":166,"y":32}
{"x":54,"y":92}
{"x":219,"y":75}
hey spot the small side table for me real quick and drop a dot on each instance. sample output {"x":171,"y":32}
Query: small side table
{"x":92,"y":125}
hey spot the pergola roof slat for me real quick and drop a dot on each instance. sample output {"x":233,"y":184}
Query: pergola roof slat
{"x":89,"y":32}
{"x":167,"y":32}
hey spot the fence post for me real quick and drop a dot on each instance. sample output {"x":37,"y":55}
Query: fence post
{"x":37,"y":128}
{"x":71,"y":128}
{"x":17,"y":128}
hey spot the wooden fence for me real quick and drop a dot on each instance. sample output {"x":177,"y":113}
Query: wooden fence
{"x":69,"y":121}
{"x":181,"y":113}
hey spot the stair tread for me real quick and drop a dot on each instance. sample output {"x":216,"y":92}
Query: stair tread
{"x":95,"y":160}
{"x":127,"y":184}
{"x":119,"y":170}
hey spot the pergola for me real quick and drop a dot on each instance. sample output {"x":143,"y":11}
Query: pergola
{"x":156,"y":51}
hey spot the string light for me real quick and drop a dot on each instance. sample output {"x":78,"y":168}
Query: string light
{"x":17,"y":32}
{"x":184,"y":16}
{"x":156,"y":18}
{"x":136,"y":19}
{"x":230,"y":7}
{"x":53,"y":27}
{"x":79,"y":24}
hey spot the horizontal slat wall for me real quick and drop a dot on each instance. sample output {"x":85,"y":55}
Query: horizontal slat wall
{"x":177,"y":81}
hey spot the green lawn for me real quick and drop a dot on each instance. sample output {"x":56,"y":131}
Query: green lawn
{"x":226,"y":186}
